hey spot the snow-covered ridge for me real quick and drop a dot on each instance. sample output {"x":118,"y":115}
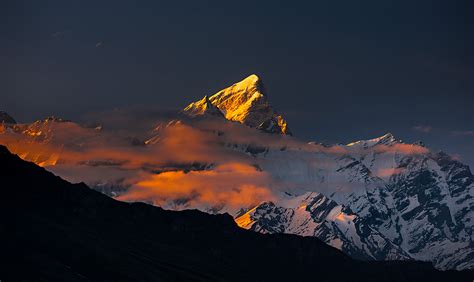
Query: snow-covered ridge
{"x":375,"y":199}
{"x":422,"y":201}
{"x":313,"y":214}
{"x":386,"y":139}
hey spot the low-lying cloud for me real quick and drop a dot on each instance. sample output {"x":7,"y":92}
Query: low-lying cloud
{"x":230,"y":185}
{"x":403,"y":149}
{"x":208,"y":164}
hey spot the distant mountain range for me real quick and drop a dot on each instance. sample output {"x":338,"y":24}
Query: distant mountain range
{"x":378,"y":199}
{"x":386,"y":193}
{"x":56,"y":231}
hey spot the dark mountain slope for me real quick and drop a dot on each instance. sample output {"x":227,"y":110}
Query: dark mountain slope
{"x":52,"y":230}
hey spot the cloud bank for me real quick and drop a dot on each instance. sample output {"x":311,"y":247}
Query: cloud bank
{"x":208,"y":164}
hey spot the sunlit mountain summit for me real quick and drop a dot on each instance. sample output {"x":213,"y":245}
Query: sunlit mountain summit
{"x":376,"y":199}
{"x":245,"y":102}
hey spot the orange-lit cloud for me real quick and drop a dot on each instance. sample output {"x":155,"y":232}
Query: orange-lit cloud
{"x":68,"y":144}
{"x":404,"y":149}
{"x":162,"y":170}
{"x":229,"y":186}
{"x":95,"y":157}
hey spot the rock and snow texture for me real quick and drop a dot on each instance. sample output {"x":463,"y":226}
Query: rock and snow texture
{"x":421,"y":201}
{"x":313,"y":214}
{"x":373,"y":199}
{"x":245,"y":102}
{"x":202,"y":107}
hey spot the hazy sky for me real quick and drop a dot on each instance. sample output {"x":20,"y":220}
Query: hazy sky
{"x":338,"y":70}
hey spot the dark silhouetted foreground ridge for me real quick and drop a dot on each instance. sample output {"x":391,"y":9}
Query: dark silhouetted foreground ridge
{"x":52,"y":230}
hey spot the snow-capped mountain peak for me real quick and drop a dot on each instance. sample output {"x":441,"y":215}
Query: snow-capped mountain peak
{"x":245,"y":102}
{"x":386,"y":139}
{"x":374,"y":199}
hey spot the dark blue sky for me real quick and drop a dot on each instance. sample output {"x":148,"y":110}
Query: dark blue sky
{"x":339,"y":70}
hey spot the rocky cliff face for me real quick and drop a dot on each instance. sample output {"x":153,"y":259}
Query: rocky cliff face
{"x":313,"y":214}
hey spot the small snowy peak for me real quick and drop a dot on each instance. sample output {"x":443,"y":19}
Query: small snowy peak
{"x":156,"y":134}
{"x":55,"y":119}
{"x":387,"y":139}
{"x":245,"y":102}
{"x":6,"y":118}
{"x":44,"y":129}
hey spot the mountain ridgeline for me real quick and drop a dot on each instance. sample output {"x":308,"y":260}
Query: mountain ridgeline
{"x":377,"y":200}
{"x":56,"y":231}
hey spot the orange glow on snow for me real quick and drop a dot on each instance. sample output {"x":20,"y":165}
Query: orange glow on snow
{"x":387,"y":172}
{"x":245,"y":221}
{"x":404,"y":149}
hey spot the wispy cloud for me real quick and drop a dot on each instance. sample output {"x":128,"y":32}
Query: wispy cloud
{"x":98,"y":44}
{"x":469,"y":133}
{"x":422,"y":128}
{"x":160,"y":159}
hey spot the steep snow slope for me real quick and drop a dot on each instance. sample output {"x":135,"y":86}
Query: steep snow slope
{"x":313,"y":214}
{"x":202,"y":107}
{"x":420,"y":200}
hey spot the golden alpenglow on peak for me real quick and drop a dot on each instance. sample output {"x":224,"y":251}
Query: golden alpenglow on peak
{"x":245,"y":102}
{"x":202,"y":107}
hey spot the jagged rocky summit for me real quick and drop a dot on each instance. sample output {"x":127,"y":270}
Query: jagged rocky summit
{"x":245,"y":102}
